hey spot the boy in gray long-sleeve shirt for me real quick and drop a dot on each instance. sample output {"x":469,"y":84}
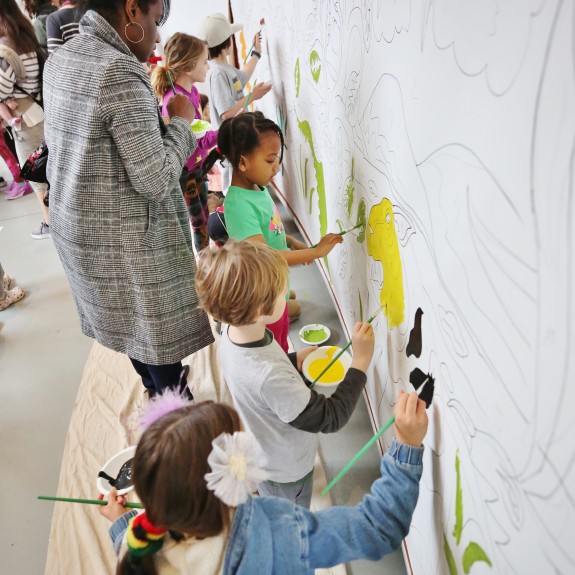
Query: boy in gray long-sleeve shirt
{"x":244,"y":285}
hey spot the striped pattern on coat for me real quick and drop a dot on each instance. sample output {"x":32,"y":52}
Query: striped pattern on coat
{"x":117,"y":215}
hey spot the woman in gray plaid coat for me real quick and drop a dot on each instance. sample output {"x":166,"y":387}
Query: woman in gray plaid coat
{"x":118,"y":217}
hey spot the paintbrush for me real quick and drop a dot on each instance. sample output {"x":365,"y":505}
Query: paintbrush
{"x":171,"y":81}
{"x":345,"y":231}
{"x":88,"y":501}
{"x":341,"y":352}
{"x":262,"y":22}
{"x":363,"y":450}
{"x":249,"y":96}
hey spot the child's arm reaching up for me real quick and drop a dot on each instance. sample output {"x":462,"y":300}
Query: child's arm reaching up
{"x":305,"y":255}
{"x":329,"y":414}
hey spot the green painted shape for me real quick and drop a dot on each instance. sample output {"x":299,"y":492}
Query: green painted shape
{"x":315,"y":65}
{"x":360,"y":308}
{"x":472,"y":554}
{"x":458,"y":528}
{"x":339,"y":225}
{"x":350,"y":188}
{"x":452,"y":566}
{"x":361,"y":220}
{"x":296,"y":77}
{"x":305,"y":129}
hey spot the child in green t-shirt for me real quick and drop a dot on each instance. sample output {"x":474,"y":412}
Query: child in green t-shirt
{"x":254,"y":146}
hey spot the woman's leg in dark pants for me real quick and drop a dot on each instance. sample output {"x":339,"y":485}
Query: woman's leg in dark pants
{"x":157,"y":378}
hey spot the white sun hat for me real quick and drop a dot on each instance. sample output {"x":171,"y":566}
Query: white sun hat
{"x":216,"y":29}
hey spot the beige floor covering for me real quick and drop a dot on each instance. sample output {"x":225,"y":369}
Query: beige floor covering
{"x":105,"y":420}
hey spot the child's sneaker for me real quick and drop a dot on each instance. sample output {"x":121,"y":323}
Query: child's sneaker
{"x":12,"y":296}
{"x":42,"y":233}
{"x":6,"y":281}
{"x":17,"y":190}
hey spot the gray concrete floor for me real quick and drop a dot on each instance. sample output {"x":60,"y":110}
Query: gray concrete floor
{"x":42,"y":355}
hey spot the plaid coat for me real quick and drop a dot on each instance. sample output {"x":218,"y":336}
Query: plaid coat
{"x":117,"y":214}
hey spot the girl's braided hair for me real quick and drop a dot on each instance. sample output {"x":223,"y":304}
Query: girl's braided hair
{"x":239,"y":136}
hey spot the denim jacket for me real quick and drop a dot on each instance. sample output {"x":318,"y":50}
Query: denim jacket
{"x":272,"y":535}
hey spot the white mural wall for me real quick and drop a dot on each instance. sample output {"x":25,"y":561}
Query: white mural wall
{"x":448,"y":126}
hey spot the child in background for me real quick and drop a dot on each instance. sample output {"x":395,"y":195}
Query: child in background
{"x":8,"y":296}
{"x":244,"y":285}
{"x":200,"y":518}
{"x":186,"y":60}
{"x":254,"y":146}
{"x":215,"y":195}
{"x":19,"y":187}
{"x":226,"y":83}
{"x":6,"y":108}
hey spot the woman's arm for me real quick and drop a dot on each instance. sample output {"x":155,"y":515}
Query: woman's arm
{"x":127,"y":107}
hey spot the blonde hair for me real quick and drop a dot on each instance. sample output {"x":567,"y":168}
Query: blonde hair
{"x":181,"y":54}
{"x":240,"y":281}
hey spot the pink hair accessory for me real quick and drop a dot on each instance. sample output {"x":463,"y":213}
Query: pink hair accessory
{"x":161,"y":405}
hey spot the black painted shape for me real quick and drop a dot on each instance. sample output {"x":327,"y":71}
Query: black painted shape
{"x":416,"y":378}
{"x":415,"y":336}
{"x":124,"y":477}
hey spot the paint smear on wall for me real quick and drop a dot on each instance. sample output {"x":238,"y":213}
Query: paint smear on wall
{"x":383,"y":247}
{"x":243,"y":46}
{"x":296,"y":77}
{"x":315,"y":65}
{"x":305,"y":129}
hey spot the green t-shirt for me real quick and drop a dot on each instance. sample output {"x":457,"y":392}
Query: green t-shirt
{"x":251,"y":213}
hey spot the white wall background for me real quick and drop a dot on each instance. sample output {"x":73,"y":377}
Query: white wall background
{"x":460,"y":116}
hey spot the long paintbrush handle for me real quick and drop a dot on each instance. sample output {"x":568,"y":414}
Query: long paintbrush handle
{"x":359,"y":454}
{"x":88,"y":501}
{"x":340,"y":353}
{"x":362,"y":451}
{"x":343,"y":349}
{"x":343,"y":233}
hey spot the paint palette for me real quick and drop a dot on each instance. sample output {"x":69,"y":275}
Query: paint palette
{"x":314,"y":334}
{"x":317,"y":360}
{"x":200,"y":127}
{"x":113,"y":467}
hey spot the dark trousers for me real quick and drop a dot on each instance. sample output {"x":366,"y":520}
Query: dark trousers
{"x":157,"y":378}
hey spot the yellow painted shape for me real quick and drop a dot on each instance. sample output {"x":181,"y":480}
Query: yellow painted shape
{"x":333,"y":374}
{"x":383,"y":247}
{"x":243,"y":45}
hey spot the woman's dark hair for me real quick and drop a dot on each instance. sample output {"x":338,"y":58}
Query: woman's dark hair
{"x":168,"y":469}
{"x":217,"y":50}
{"x":240,"y":136}
{"x":110,"y":9}
{"x":16,"y":28}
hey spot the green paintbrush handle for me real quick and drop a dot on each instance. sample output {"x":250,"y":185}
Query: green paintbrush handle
{"x":331,"y":363}
{"x":88,"y":501}
{"x":343,"y":233}
{"x":362,"y":451}
{"x":341,"y":352}
{"x":171,"y":82}
{"x":360,"y":454}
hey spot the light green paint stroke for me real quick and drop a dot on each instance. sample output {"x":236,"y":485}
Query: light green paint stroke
{"x":315,"y":65}
{"x":350,"y":188}
{"x":458,"y":528}
{"x":305,"y":129}
{"x":296,"y":77}
{"x":452,"y":566}
{"x":339,"y":225}
{"x":360,"y":308}
{"x":472,"y":554}
{"x":361,"y":220}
